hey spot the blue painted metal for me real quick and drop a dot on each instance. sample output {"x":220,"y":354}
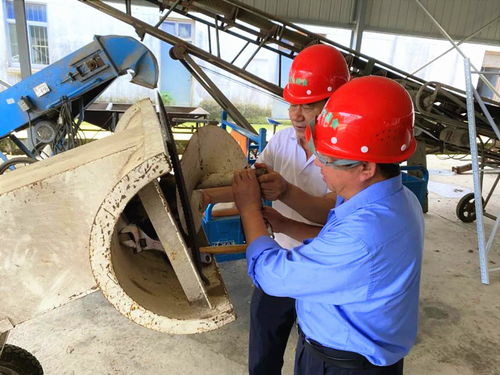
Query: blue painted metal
{"x":83,"y":75}
{"x":272,"y":121}
{"x":417,"y":185}
{"x":225,"y":230}
{"x":255,"y":142}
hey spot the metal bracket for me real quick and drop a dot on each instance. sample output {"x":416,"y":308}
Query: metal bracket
{"x":186,"y":267}
{"x":168,"y":138}
{"x":180,"y":52}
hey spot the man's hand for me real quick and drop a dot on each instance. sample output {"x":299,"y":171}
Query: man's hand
{"x":275,"y":219}
{"x":246,"y":191}
{"x":272,"y":184}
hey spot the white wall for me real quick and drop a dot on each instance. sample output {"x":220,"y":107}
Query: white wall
{"x":411,"y":53}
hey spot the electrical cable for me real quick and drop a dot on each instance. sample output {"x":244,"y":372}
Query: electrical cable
{"x":68,"y":134}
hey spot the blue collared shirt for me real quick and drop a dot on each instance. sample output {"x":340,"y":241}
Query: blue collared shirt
{"x":356,"y":284}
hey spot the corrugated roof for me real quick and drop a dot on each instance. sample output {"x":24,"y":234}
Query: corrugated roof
{"x":459,"y":18}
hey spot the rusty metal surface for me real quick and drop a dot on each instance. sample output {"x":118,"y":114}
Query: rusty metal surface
{"x":143,"y":286}
{"x":57,"y":211}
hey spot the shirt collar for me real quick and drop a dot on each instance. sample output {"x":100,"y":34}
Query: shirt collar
{"x":367,"y":196}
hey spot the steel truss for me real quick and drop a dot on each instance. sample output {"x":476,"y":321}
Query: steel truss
{"x":441,"y":110}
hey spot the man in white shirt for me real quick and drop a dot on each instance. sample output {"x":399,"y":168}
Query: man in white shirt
{"x":293,"y":180}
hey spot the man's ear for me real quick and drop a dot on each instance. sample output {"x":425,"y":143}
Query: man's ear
{"x":368,"y":171}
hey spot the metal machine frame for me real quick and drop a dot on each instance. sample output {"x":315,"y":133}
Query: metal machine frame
{"x":48,"y":101}
{"x":440,"y":109}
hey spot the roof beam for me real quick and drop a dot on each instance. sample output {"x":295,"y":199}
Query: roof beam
{"x":359,"y":27}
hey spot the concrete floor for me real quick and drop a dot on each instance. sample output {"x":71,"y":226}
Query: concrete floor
{"x":459,"y":328}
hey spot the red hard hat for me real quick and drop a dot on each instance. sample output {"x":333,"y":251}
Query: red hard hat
{"x":367,"y":119}
{"x":316,"y":72}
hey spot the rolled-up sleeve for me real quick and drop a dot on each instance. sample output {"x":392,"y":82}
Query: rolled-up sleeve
{"x":332,"y":268}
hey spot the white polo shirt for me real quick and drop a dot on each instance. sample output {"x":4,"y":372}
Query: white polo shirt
{"x":284,"y":154}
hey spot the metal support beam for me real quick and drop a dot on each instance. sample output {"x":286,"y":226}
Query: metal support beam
{"x":5,"y":84}
{"x":447,"y":36}
{"x":262,"y":42}
{"x":460,"y":42}
{"x":22,"y":38}
{"x":359,"y":19}
{"x":483,"y":261}
{"x":176,"y":249}
{"x":487,"y":113}
{"x":192,"y":50}
{"x":217,"y":38}
{"x":165,"y":16}
{"x":180,"y":52}
{"x":239,"y":53}
{"x":128,"y":7}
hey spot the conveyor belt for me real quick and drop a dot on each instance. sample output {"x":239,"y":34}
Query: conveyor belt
{"x":441,"y":116}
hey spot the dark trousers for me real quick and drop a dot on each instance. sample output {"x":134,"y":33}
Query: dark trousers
{"x":307,"y":362}
{"x":271,"y":320}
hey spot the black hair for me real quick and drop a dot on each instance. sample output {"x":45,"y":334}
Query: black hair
{"x":389,"y":170}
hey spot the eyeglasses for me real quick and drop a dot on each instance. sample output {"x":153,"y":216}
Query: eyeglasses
{"x":308,"y":107}
{"x":336,"y":164}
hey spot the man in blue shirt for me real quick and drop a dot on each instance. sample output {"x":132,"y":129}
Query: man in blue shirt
{"x":316,"y":72}
{"x":356,"y":284}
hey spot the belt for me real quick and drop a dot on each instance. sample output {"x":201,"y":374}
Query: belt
{"x":338,"y":358}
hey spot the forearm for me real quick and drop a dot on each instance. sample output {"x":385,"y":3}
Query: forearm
{"x":299,"y":231}
{"x":313,"y":208}
{"x":253,"y":224}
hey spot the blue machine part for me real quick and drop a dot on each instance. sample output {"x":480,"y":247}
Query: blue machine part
{"x":224,"y":230}
{"x":227,"y":230}
{"x":255,"y":142}
{"x":84,"y":75}
{"x":417,"y":185}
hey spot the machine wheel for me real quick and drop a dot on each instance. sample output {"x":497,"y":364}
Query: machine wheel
{"x":4,"y":167}
{"x":466,"y":210}
{"x":17,"y":361}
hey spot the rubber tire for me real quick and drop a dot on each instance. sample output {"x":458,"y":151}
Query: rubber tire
{"x":12,"y":162}
{"x":19,"y":361}
{"x":466,"y":210}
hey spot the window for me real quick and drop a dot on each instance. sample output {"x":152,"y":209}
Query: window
{"x":36,"y":19}
{"x":181,"y":30}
